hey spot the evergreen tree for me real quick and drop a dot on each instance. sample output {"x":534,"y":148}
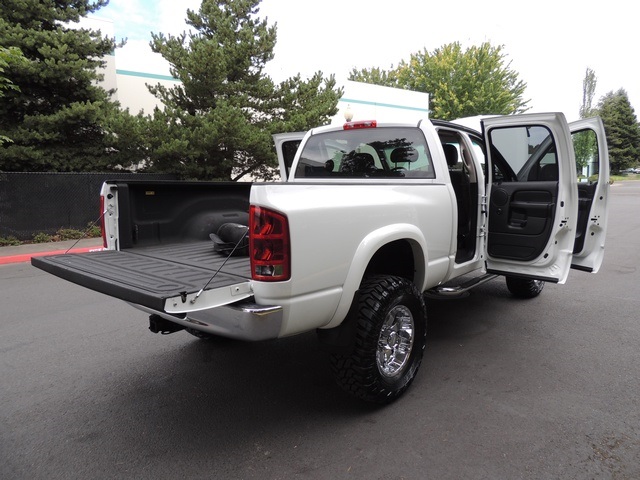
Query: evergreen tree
{"x":218,"y":123}
{"x":622,"y":130}
{"x":56,"y":115}
{"x":7,"y":56}
{"x":459,"y":83}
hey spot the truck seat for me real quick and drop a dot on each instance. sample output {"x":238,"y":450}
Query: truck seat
{"x":358,"y":163}
{"x":461,"y":185}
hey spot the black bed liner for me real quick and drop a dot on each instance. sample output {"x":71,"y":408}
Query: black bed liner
{"x":149,"y":275}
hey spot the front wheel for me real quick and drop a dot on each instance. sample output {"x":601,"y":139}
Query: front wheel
{"x":524,"y":288}
{"x":391,"y":327}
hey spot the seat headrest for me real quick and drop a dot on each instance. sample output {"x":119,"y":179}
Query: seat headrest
{"x":451,"y":154}
{"x":403,"y":155}
{"x":549,"y":172}
{"x":358,"y":163}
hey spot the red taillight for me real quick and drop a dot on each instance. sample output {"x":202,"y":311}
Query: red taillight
{"x":360,"y":124}
{"x":104,"y":233}
{"x":269,"y":245}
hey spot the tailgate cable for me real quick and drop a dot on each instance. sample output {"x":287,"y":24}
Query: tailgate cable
{"x":194,"y":299}
{"x":84,"y":234}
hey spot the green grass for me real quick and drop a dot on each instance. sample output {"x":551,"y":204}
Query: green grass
{"x":622,"y":178}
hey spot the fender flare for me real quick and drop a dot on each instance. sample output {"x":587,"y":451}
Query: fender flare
{"x":365,"y":252}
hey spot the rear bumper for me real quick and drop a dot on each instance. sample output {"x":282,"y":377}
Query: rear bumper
{"x":243,"y":320}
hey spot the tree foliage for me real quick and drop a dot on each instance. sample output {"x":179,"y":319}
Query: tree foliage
{"x":585,"y":143}
{"x":7,"y":57}
{"x":588,"y":91}
{"x":375,"y":76}
{"x":56,"y":115}
{"x":622,"y":130}
{"x":459,"y":82}
{"x":218,"y":122}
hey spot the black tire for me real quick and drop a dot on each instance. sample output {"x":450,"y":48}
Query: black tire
{"x":390,"y":337}
{"x":524,"y":288}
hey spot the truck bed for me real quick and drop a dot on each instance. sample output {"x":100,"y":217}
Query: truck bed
{"x":149,"y":275}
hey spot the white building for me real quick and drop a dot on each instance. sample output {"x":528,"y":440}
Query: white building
{"x":360,"y":101}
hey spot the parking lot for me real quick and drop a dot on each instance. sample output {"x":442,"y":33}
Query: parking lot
{"x":509,"y":389}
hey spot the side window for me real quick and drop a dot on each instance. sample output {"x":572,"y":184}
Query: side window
{"x":478,"y":148}
{"x":585,"y":145}
{"x":523,"y":154}
{"x":381,"y":152}
{"x":289,"y":149}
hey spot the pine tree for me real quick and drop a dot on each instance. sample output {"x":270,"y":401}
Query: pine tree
{"x":7,"y":57}
{"x":55,"y":117}
{"x":218,"y":122}
{"x":622,"y":130}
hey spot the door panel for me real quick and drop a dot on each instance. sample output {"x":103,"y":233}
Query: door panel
{"x":591,"y":147}
{"x":521,"y":219}
{"x":532,"y":196}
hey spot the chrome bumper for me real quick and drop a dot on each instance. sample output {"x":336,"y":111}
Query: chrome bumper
{"x":243,"y":320}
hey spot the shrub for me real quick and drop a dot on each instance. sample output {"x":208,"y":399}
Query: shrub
{"x":69,"y":234}
{"x":42,"y":238}
{"x":93,"y":230}
{"x":9,"y":241}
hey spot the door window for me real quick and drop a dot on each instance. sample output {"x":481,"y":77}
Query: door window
{"x":585,"y":145}
{"x":524,"y":154}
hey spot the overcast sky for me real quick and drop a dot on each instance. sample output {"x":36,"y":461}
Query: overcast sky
{"x":550,"y":43}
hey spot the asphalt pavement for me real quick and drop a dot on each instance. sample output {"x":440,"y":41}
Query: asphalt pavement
{"x":547,"y":388}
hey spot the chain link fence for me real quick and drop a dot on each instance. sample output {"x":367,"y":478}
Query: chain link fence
{"x":33,"y":203}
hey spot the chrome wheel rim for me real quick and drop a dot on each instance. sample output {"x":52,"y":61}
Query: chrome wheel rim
{"x":395,"y":341}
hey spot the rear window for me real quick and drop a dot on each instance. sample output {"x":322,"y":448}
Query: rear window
{"x":382,"y":152}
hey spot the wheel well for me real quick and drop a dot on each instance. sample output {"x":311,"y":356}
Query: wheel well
{"x":395,"y":258}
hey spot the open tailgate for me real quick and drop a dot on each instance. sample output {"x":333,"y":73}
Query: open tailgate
{"x":162,"y":278}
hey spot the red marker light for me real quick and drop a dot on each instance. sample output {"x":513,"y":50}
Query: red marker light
{"x":360,"y":124}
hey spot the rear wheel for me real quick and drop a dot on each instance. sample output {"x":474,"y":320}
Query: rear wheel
{"x":389,"y":343}
{"x":524,"y":288}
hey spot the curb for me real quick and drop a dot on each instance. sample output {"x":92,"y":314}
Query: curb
{"x":26,"y":257}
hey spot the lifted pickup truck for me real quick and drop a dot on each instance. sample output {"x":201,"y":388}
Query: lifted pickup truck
{"x":371,"y":218}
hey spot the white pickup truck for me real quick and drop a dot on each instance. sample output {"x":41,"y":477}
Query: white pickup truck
{"x":371,"y":218}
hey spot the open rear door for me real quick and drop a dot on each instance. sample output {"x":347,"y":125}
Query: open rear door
{"x":590,"y":145}
{"x":286,"y":146}
{"x":532,"y":201}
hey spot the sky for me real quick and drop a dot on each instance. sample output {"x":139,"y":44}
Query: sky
{"x":549,"y":43}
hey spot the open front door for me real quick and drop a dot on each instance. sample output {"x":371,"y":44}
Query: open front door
{"x":590,"y":145}
{"x":532,"y":203}
{"x":286,"y":146}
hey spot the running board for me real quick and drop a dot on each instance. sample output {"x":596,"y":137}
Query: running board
{"x":458,"y":290}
